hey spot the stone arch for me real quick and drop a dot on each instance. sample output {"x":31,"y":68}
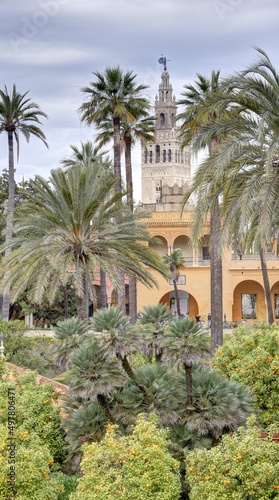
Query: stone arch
{"x":160,"y":249}
{"x":248,"y":287}
{"x":275,"y":300}
{"x":188,"y":303}
{"x":184,"y":243}
{"x":203,"y":248}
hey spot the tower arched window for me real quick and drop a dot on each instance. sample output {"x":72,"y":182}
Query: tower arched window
{"x":145,"y":155}
{"x":162,"y":119}
{"x":169,"y":154}
{"x":157,"y":160}
{"x":164,"y":155}
{"x":150,"y":157}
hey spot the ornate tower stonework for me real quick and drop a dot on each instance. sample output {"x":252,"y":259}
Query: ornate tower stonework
{"x":165,"y":167}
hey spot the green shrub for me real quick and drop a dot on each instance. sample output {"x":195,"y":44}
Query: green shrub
{"x":242,"y":466}
{"x":251,"y":356}
{"x":134,"y":467}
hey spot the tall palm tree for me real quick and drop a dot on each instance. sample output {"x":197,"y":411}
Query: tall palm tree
{"x":142,"y":128}
{"x":113,"y":97}
{"x":18,"y":115}
{"x":245,"y":166}
{"x":186,"y":342}
{"x":67,"y":228}
{"x":175,"y":262}
{"x":195,"y":120}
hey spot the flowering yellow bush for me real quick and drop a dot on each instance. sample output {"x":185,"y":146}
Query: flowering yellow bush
{"x":134,"y":467}
{"x":242,"y":466}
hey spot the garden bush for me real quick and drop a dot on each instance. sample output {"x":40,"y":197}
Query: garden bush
{"x":251,"y":356}
{"x":133,"y":467}
{"x":242,"y":466}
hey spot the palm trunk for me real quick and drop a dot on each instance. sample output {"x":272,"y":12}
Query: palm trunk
{"x":66,"y":303}
{"x":118,"y":189}
{"x":82,"y":312}
{"x":216,"y":279}
{"x":131,"y":374}
{"x":133,"y":299}
{"x":176,"y":297}
{"x":270,"y":315}
{"x":130,"y":200}
{"x":103,"y":289}
{"x":189,"y":385}
{"x":103,"y":402}
{"x":9,"y":225}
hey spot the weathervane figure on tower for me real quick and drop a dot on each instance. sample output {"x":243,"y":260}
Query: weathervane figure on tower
{"x":163,"y":60}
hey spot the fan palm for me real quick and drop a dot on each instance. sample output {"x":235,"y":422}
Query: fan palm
{"x":67,"y":228}
{"x":69,"y":335}
{"x":117,"y":339}
{"x":186,"y":342}
{"x":154,"y":321}
{"x":165,"y":388}
{"x":195,"y":120}
{"x":18,"y":115}
{"x":175,"y":262}
{"x":91,"y":378}
{"x":85,"y":422}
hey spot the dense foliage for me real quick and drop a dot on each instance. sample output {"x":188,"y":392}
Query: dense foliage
{"x":242,"y":466}
{"x":134,"y":466}
{"x":36,"y":435}
{"x":252,"y":357}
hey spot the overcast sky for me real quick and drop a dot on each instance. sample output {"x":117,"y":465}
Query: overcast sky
{"x":51,"y":48}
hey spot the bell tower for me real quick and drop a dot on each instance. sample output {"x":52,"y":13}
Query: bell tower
{"x":165,"y":167}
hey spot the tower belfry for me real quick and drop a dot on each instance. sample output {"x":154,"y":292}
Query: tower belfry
{"x":165,"y":167}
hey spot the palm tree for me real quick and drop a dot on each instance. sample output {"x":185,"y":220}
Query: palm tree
{"x":154,"y":321}
{"x":67,"y":229}
{"x":117,"y":340}
{"x":245,"y":167}
{"x":91,"y":378}
{"x":185,"y":343}
{"x":142,"y":128}
{"x":85,"y":157}
{"x":113,"y":97}
{"x":194,"y":130}
{"x":18,"y":114}
{"x":175,"y":262}
{"x":69,"y":335}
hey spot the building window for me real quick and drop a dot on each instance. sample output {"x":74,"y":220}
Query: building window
{"x":164,"y":155}
{"x":157,"y":154}
{"x":205,"y":253}
{"x":150,"y":156}
{"x":169,"y":154}
{"x":276,"y":305}
{"x":145,"y":155}
{"x":162,"y":119}
{"x":249,"y":306}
